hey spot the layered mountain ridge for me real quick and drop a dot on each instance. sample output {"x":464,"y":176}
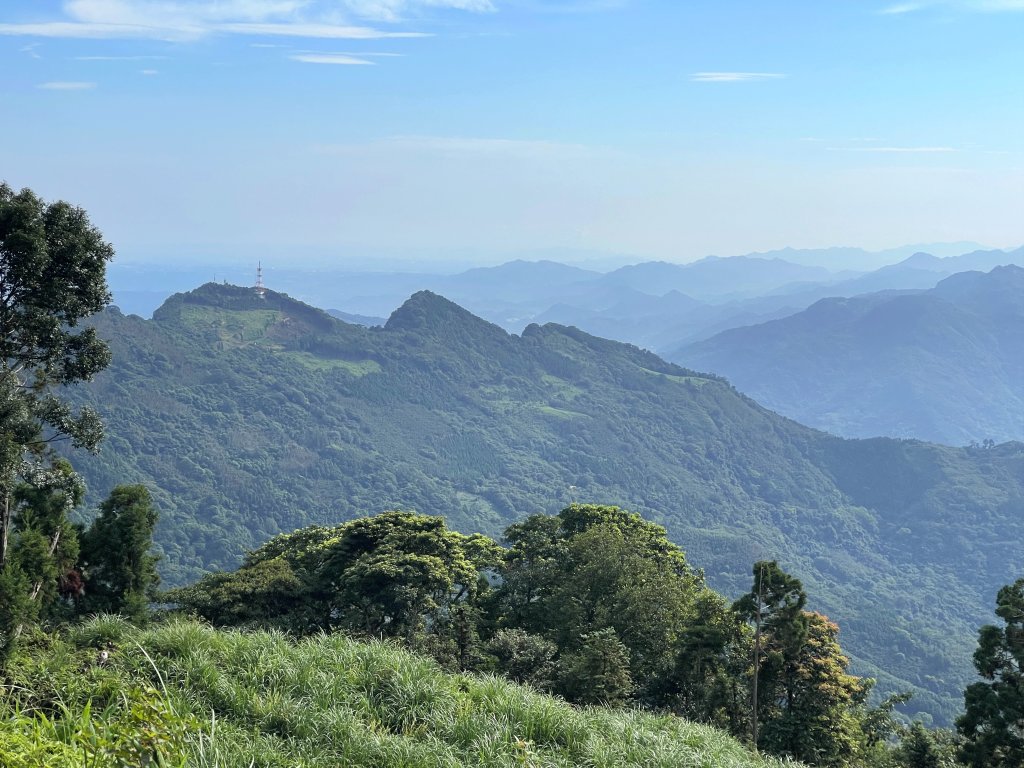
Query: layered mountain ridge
{"x":945,"y":364}
{"x":249,"y":416}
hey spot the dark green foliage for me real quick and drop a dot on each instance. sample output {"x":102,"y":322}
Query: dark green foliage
{"x":16,"y":607}
{"x":120,"y":571}
{"x":807,"y":703}
{"x":594,"y":568}
{"x":52,"y":276}
{"x":398,"y":574}
{"x":918,"y":749}
{"x":993,"y":722}
{"x":710,"y":680}
{"x":816,"y":712}
{"x":598,"y":673}
{"x":524,"y":658}
{"x":248,"y":417}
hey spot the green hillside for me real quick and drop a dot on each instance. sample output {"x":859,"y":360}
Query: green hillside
{"x":205,"y":698}
{"x":943,"y":364}
{"x":250,"y":416}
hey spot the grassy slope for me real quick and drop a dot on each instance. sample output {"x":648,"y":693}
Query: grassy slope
{"x":250,"y":417}
{"x":259,"y":699}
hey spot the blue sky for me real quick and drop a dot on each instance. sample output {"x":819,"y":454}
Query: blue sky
{"x":315,"y":131}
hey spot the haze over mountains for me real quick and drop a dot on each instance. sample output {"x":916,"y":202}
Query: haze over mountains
{"x":252,"y":416}
{"x":668,"y":308}
{"x":944,"y":364}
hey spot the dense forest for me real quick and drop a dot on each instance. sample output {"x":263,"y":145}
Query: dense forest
{"x":250,"y":416}
{"x":311,"y":664}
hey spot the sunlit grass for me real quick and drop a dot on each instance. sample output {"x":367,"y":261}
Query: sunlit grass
{"x":225,"y":699}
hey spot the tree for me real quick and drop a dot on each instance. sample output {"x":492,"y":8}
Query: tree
{"x":711,"y":673}
{"x":993,"y":721}
{"x":818,"y":721}
{"x":775,"y":606}
{"x":524,"y":658}
{"x":804,"y":704}
{"x":52,"y":276}
{"x":120,"y":571}
{"x":598,"y":673}
{"x":395,"y":575}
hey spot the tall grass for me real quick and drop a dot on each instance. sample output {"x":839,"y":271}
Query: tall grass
{"x":183,"y":694}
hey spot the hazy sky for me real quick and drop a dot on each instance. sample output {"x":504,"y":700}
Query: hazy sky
{"x":335,"y":129}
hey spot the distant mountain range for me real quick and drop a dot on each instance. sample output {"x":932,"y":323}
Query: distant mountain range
{"x":945,"y":364}
{"x":249,"y":416}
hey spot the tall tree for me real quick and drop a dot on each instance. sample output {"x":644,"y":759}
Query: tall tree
{"x":817,"y":717}
{"x":992,"y":725}
{"x":120,"y":570}
{"x":52,"y":276}
{"x":774,"y":606}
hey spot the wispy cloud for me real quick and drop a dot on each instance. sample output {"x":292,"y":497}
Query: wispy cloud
{"x":314,"y":30}
{"x":187,"y":20}
{"x":30,"y":49}
{"x":396,"y":10}
{"x":979,"y":6}
{"x":118,"y":58}
{"x":902,"y":8}
{"x":67,"y":85}
{"x":149,"y":72}
{"x":734,"y":77}
{"x":926,"y":150}
{"x":327,"y":58}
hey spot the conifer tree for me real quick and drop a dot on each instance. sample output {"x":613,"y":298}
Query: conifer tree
{"x":993,"y":721}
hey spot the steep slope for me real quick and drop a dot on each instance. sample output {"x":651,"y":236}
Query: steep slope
{"x":945,"y":364}
{"x":252,"y":416}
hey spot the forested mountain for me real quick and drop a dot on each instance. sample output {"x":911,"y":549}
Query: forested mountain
{"x":946,"y":364}
{"x":249,"y":416}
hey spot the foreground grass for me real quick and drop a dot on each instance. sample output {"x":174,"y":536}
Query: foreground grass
{"x":183,"y":694}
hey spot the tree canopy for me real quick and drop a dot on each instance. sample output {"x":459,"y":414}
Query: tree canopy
{"x":52,"y":276}
{"x":993,"y":721}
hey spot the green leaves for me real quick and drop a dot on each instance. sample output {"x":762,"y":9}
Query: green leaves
{"x":52,"y":276}
{"x":993,"y":721}
{"x":120,"y":571}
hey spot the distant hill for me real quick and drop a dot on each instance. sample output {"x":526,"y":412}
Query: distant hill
{"x":356,"y":319}
{"x":714,"y":277}
{"x":945,"y":364}
{"x":250,"y":416}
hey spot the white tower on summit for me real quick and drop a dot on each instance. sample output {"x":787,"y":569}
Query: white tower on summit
{"x":261,"y":290}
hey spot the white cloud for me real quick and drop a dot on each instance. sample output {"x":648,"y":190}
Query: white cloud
{"x":149,"y":72}
{"x":902,"y":8}
{"x":186,"y":20}
{"x":395,"y":10}
{"x":325,"y":31}
{"x":327,"y":58}
{"x":734,"y":77}
{"x":983,"y":6}
{"x":67,"y":85}
{"x":927,"y":150}
{"x":118,"y":58}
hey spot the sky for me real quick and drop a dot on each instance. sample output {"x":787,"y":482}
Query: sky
{"x":350,"y":132}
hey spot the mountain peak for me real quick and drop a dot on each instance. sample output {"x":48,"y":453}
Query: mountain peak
{"x":429,"y":313}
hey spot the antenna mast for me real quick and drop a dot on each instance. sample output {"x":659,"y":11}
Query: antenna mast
{"x":261,"y":290}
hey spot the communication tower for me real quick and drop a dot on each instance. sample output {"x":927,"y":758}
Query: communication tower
{"x":260,"y":288}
